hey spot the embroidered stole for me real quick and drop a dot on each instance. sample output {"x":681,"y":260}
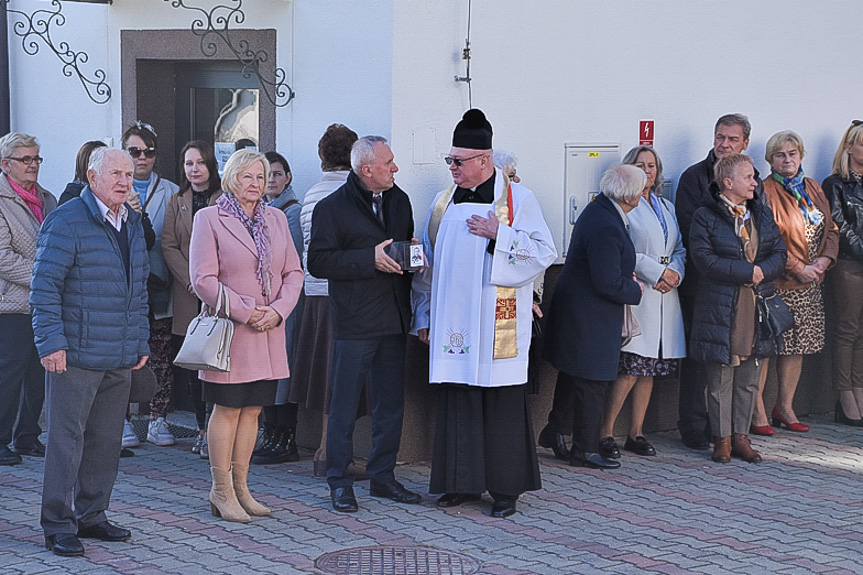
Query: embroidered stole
{"x":506,"y":318}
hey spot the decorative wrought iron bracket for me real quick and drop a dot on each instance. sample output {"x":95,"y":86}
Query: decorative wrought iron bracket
{"x":216,"y":22}
{"x":38,"y":26}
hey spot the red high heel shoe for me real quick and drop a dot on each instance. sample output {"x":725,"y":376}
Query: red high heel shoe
{"x":760,"y":430}
{"x":778,"y":419}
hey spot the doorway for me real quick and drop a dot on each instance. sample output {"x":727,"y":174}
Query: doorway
{"x":167,"y":83}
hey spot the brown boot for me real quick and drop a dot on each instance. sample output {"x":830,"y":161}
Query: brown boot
{"x":743,"y":449}
{"x":721,"y":449}
{"x":223,"y":499}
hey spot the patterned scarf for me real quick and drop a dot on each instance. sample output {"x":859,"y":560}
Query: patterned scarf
{"x":796,"y":187}
{"x":260,"y":232}
{"x":31,"y":198}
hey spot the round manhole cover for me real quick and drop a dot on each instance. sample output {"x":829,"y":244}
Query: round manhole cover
{"x":396,"y":561}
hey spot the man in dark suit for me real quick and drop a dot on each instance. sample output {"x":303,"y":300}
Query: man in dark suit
{"x":730,"y":136}
{"x":371,"y":314}
{"x":583,"y":332}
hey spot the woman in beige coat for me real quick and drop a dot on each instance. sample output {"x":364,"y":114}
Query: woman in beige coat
{"x":23,"y":206}
{"x":200,"y":186}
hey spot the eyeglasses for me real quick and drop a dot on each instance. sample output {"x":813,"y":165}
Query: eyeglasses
{"x":27,"y":160}
{"x":856,"y":123}
{"x":459,"y":161}
{"x":136,"y":152}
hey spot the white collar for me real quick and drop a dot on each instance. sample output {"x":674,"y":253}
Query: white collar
{"x":115,"y":221}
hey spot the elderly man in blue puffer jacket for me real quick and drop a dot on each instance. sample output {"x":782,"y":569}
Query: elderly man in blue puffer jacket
{"x":88,"y":298}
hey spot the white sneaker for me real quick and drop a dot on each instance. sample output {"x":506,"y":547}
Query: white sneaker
{"x":130,"y":438}
{"x":159,"y":434}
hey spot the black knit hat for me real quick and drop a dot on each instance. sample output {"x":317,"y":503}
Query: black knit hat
{"x":473,"y":131}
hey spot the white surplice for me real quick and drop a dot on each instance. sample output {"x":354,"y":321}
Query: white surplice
{"x":456,"y":297}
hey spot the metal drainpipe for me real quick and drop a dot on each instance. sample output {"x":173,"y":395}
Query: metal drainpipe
{"x":5,"y":101}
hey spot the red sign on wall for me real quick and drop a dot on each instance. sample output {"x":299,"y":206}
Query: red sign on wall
{"x":645,"y":133}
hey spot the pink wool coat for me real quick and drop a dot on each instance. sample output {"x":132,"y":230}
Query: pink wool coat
{"x":222,"y":250}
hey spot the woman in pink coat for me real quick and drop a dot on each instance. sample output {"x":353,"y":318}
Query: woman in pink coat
{"x":246,"y":246}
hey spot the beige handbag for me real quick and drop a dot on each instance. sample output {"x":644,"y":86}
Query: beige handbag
{"x":208,"y":339}
{"x":631,"y":328}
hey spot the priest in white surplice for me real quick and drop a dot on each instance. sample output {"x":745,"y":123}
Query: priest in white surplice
{"x":486,"y":240}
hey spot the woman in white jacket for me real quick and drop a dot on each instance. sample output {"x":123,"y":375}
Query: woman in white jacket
{"x":660,"y":257}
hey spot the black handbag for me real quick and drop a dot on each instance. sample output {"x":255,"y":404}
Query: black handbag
{"x":774,"y":317}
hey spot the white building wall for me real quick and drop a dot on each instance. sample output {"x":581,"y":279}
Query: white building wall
{"x":550,"y":72}
{"x":545,"y":72}
{"x":51,"y":106}
{"x":337,"y":55}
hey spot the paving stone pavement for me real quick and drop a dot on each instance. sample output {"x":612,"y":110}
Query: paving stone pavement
{"x":798,"y":512}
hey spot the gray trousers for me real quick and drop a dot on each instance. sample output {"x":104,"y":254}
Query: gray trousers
{"x":731,"y":395}
{"x":85,"y":411}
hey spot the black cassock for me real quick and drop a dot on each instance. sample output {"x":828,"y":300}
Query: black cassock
{"x":484,"y":441}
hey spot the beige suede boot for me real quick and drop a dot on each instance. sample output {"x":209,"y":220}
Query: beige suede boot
{"x":223,"y":499}
{"x":240,"y":474}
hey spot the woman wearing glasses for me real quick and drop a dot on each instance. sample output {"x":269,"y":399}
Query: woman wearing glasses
{"x":844,"y":190}
{"x":150,"y":196}
{"x":23,"y":206}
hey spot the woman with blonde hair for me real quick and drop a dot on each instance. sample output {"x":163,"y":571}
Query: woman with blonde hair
{"x":245,"y":247}
{"x":844,"y":190}
{"x":802,"y":214}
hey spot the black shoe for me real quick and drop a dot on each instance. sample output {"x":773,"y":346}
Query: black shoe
{"x":395,"y":491}
{"x":268,"y":437}
{"x":9,"y":457}
{"x":695,"y":441}
{"x":343,"y":499}
{"x":126,"y":452}
{"x":277,"y":450}
{"x":639,"y":446}
{"x":592,"y":460}
{"x":608,"y":448}
{"x":104,"y":531}
{"x":456,"y":499}
{"x":548,"y":438}
{"x":503,"y":507}
{"x":64,"y":545}
{"x":293,"y":454}
{"x":34,"y":450}
{"x":840,"y":417}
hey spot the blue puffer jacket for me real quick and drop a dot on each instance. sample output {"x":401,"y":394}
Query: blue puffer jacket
{"x":716,"y":252}
{"x":80,"y":298}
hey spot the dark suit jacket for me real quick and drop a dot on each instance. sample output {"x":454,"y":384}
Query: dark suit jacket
{"x":364,"y":302}
{"x":586,"y":314}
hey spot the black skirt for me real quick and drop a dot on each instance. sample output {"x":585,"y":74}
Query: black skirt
{"x":241,"y":394}
{"x":484,"y":441}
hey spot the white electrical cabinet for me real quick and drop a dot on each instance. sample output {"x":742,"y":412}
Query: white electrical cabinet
{"x":583,"y":168}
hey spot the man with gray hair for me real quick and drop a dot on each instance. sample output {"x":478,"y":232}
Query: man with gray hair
{"x":371,"y":315}
{"x":730,"y":136}
{"x":88,"y":298}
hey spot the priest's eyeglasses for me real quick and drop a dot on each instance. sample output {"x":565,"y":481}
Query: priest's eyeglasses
{"x":459,"y":161}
